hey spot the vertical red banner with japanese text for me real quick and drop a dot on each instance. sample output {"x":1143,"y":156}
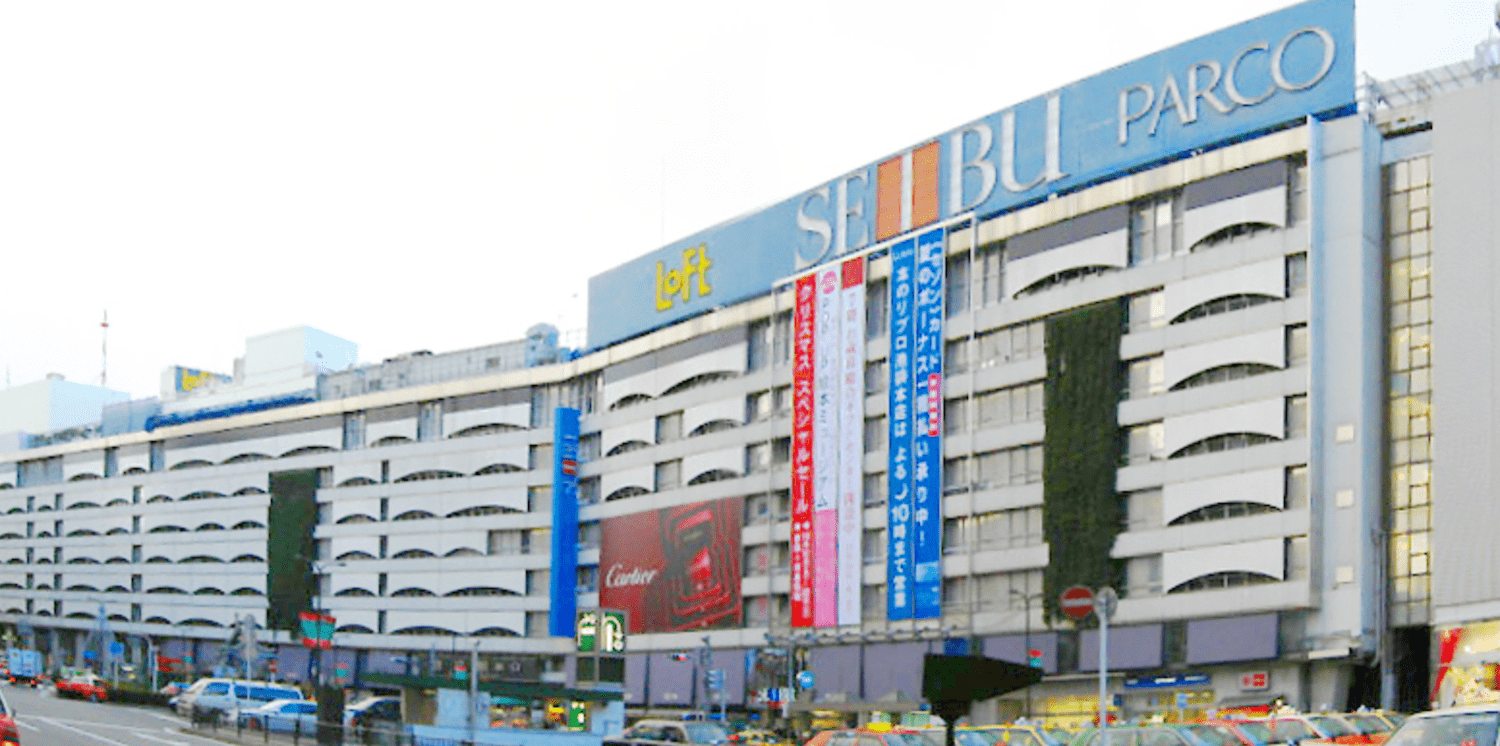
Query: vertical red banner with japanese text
{"x":804,"y":350}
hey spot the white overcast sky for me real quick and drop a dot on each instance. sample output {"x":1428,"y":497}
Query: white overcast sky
{"x":441,"y":175}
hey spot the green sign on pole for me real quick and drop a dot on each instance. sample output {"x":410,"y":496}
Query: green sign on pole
{"x":601,"y":631}
{"x":578,"y":716}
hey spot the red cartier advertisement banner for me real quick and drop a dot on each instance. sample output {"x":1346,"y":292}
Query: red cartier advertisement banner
{"x":674,"y":569}
{"x":803,"y":338}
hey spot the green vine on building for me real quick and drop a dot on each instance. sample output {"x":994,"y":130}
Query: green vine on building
{"x":1080,"y":511}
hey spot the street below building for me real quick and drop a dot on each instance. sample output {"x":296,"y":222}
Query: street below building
{"x":45,"y":719}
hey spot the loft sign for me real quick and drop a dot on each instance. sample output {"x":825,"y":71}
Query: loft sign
{"x":1258,"y":75}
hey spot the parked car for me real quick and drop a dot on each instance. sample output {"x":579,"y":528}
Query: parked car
{"x":1025,"y":734}
{"x":1478,"y":725}
{"x":1377,"y":728}
{"x":656,"y":732}
{"x":1170,"y":734}
{"x":372,"y":712}
{"x":1250,"y":732}
{"x":283,"y":716}
{"x":224,"y":696}
{"x":873,"y":737}
{"x":83,"y":686}
{"x":1299,"y":728}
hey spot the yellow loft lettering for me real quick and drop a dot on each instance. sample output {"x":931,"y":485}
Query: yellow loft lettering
{"x":671,"y":282}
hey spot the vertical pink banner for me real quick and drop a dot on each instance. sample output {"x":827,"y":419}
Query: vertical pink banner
{"x":803,"y":349}
{"x":827,"y":348}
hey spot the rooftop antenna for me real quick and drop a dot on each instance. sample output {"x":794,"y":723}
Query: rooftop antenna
{"x":104,"y":351}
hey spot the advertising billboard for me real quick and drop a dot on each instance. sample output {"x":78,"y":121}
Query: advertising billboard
{"x":563,"y":583}
{"x":674,"y":569}
{"x":1257,"y":75}
{"x":189,"y":379}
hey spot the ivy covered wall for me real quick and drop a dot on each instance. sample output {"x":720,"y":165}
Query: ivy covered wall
{"x":1080,"y":513}
{"x":289,"y":540}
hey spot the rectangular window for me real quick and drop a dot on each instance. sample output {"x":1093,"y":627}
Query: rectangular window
{"x":1143,"y":576}
{"x":1296,"y":275}
{"x":957,"y":285}
{"x":757,"y":509}
{"x":989,"y":268}
{"x":875,"y":432}
{"x":669,"y":475}
{"x":1143,"y":510}
{"x":757,"y":458}
{"x":874,"y":545}
{"x":1144,"y":443}
{"x":955,"y":535}
{"x":955,"y":475}
{"x":540,"y":457}
{"x":757,"y":560}
{"x":781,"y":451}
{"x":1156,"y":228}
{"x":1296,"y":345}
{"x":872,"y":603}
{"x":588,"y":447}
{"x":1296,"y":416}
{"x":758,"y":407}
{"x":430,"y":421}
{"x":956,"y":356}
{"x":876,"y":309}
{"x":1146,"y":311}
{"x":874,"y":489}
{"x":669,"y":427}
{"x":876,"y":377}
{"x":1296,"y":487}
{"x":758,"y":350}
{"x":956,"y":416}
{"x":1145,"y":376}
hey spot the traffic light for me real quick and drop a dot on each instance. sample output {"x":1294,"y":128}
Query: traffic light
{"x":1034,"y":658}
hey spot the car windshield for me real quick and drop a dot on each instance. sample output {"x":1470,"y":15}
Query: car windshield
{"x":706,"y":733}
{"x":1214,"y":735}
{"x":971,"y":738}
{"x":1058,"y":737}
{"x":1334,"y":727}
{"x":1367,"y":724}
{"x":1467,"y":729}
{"x":1256,"y":732}
{"x":1292,"y":731}
{"x":908,"y":739}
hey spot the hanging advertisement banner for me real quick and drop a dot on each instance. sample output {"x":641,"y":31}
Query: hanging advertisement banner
{"x":898,"y":555}
{"x":803,"y":344}
{"x":674,"y":569}
{"x":927,"y":429}
{"x":562,"y":585}
{"x":851,"y":440}
{"x":826,"y":452}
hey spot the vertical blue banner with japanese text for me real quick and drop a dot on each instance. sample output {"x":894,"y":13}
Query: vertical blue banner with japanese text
{"x":927,"y":427}
{"x":898,"y":555}
{"x":563,"y":586}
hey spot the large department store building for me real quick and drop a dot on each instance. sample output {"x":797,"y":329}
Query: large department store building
{"x":1187,"y":328}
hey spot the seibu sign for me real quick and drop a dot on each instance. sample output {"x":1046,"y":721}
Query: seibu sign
{"x":1260,"y":74}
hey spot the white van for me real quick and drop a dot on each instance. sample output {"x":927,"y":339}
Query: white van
{"x":224,"y":695}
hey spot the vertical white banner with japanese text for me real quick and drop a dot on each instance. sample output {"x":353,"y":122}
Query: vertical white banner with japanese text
{"x":851,"y":441}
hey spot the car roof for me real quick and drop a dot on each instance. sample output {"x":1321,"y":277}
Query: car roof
{"x":279,"y":702}
{"x":1464,"y":710}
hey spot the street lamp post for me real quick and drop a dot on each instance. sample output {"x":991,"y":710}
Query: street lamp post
{"x":1027,"y":599}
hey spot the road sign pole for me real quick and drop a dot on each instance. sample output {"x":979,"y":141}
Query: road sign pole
{"x":1103,"y":674}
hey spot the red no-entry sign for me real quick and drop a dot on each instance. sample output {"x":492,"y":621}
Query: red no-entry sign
{"x":1077,"y":602}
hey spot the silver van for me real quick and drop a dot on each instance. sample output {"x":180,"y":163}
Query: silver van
{"x":226,"y":696}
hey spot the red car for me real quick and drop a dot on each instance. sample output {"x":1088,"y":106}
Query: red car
{"x":83,"y":686}
{"x":9,"y":736}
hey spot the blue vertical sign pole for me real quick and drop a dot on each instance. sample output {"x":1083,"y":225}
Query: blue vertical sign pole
{"x":898,"y":555}
{"x":563,"y":585}
{"x":927,"y":428}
